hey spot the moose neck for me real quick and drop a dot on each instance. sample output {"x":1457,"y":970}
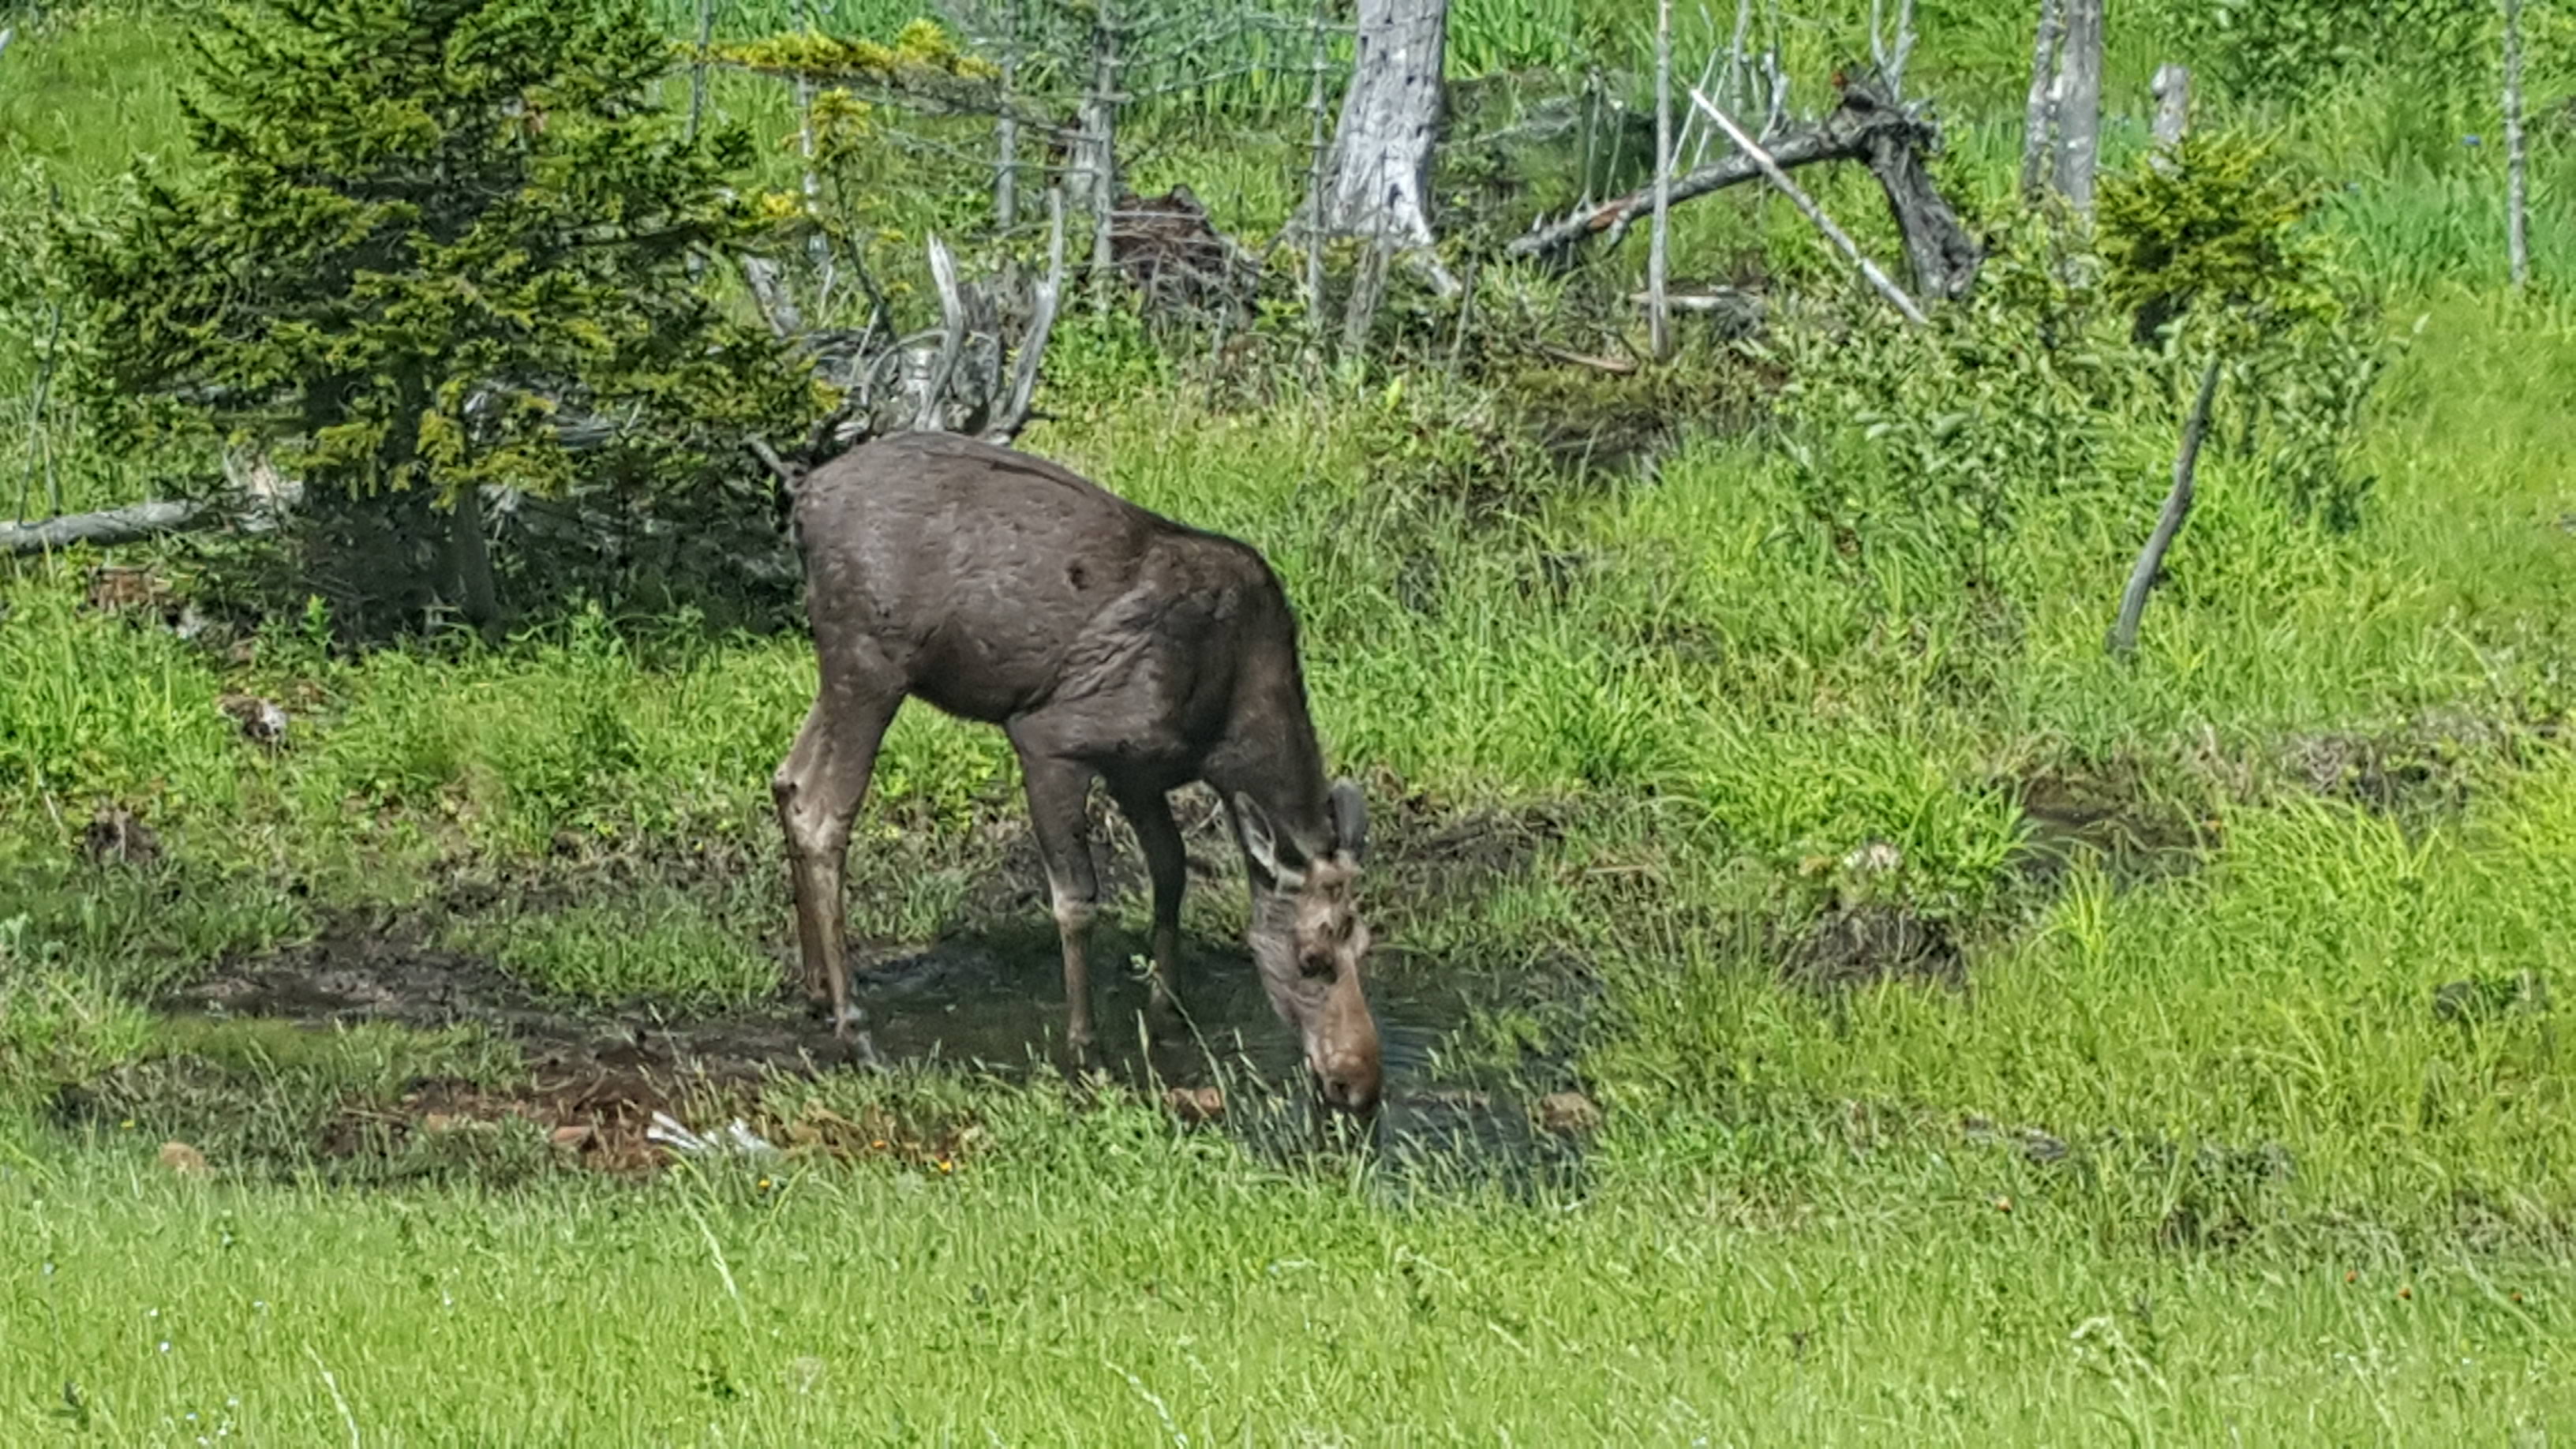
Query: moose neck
{"x":1269,"y":752}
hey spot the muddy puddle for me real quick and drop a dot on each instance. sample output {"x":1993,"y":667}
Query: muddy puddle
{"x":2132,"y":841}
{"x":988,"y":1004}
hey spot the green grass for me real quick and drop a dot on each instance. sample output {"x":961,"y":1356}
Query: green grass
{"x":659,"y":946}
{"x":1098,"y":1281}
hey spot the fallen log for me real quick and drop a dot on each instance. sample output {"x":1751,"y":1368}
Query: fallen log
{"x":1866,"y":127}
{"x":131,"y":524}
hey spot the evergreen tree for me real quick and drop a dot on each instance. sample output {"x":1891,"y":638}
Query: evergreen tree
{"x":425,"y":235}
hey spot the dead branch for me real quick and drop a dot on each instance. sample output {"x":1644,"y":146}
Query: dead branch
{"x":2077,"y":97}
{"x":2151,"y":559}
{"x":952,"y":337}
{"x":769,"y":293}
{"x":1615,"y":366}
{"x":1890,"y":53}
{"x":1806,"y":205}
{"x":2172,"y":91}
{"x":130,"y":524}
{"x":1005,"y":426}
{"x":1864,"y":120}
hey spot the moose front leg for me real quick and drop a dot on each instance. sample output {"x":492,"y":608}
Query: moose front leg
{"x":1056,"y":789}
{"x":1167,"y":862}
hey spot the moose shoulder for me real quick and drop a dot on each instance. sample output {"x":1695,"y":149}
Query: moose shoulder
{"x":1106,"y":641}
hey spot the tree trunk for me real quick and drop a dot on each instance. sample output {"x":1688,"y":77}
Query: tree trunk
{"x":1380,"y":168}
{"x":2079,"y":103}
{"x":2039,"y":116}
{"x":2172,"y":89}
{"x":469,"y":560}
{"x":2151,"y":559}
{"x":1006,"y":130}
{"x":1091,"y":182}
{"x":2517,"y":244}
{"x":1658,"y":324}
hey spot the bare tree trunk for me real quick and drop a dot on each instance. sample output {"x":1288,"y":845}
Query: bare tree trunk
{"x":2516,"y":242}
{"x":2151,"y":559}
{"x":2172,"y":89}
{"x":1888,"y":54}
{"x":1659,"y":248}
{"x":698,"y":66}
{"x":1096,"y":149}
{"x":469,"y":559}
{"x":1317,"y":159}
{"x":2039,"y":115}
{"x":1379,"y":172}
{"x":2079,"y":103}
{"x":1006,"y":130}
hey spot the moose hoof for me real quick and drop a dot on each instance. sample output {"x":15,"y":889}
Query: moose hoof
{"x":862,"y":1047}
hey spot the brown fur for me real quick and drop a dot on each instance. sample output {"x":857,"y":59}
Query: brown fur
{"x":1107,"y":642}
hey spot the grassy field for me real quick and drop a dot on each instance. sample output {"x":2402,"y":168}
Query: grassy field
{"x":2192,"y":1074}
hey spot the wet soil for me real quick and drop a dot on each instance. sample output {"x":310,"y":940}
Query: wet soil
{"x":986,"y":997}
{"x":2135,"y":841}
{"x":1862,"y":945}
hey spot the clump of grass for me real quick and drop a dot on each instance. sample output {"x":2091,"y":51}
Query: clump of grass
{"x":659,"y":946}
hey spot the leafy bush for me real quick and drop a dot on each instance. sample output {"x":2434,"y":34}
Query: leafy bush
{"x":2218,"y":219}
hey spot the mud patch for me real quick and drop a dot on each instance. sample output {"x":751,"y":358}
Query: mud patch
{"x":2107,"y":820}
{"x":1862,"y":945}
{"x":593,"y":1079}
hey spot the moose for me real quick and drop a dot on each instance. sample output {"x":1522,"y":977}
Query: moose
{"x":1106,"y":641}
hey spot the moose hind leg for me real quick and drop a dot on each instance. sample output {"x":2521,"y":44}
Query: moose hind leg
{"x":1056,"y":789}
{"x":1167,"y":863}
{"x":818,"y":789}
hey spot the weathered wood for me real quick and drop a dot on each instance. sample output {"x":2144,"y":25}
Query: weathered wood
{"x":1005,"y":426}
{"x":2172,"y":90}
{"x":1890,"y":54}
{"x":1095,"y":150}
{"x":107,"y":528}
{"x":1659,"y":335}
{"x":2516,"y":186}
{"x":1006,"y":128}
{"x":2039,"y":113}
{"x":1845,"y":134}
{"x":2079,"y":103}
{"x":2151,"y":559}
{"x":1378,"y":176}
{"x":1943,"y":255}
{"x":1318,"y":161}
{"x":1869,"y":270}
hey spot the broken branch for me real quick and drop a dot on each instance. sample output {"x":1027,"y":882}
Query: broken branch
{"x":2151,"y":559}
{"x":1806,"y":205}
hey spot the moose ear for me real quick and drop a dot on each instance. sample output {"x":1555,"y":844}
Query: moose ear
{"x":1261,"y":843}
{"x":1350,"y":820}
